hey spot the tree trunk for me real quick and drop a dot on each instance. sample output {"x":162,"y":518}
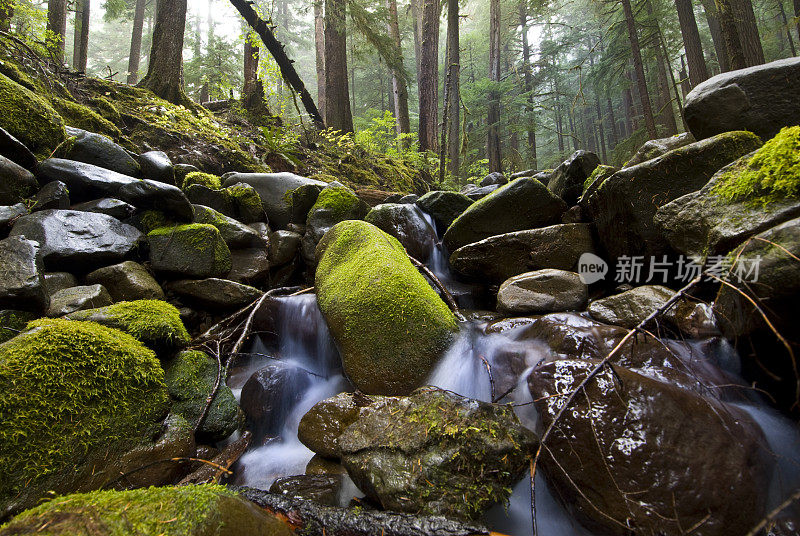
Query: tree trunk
{"x":416,"y":16}
{"x":253,"y":90}
{"x":80,"y":47}
{"x":613,"y":137}
{"x":319,"y":47}
{"x":665,"y":112}
{"x":493,"y":118}
{"x":166,"y":55}
{"x":638,"y":66}
{"x":429,"y":77}
{"x":338,"y":114}
{"x":528,"y":80}
{"x":453,"y":90}
{"x":57,"y":24}
{"x":785,"y":23}
{"x":276,"y":49}
{"x":721,"y":49}
{"x":136,"y":42}
{"x":399,"y":87}
{"x":691,"y":42}
{"x":631,"y":114}
{"x":6,"y":14}
{"x":797,"y":16}
{"x":748,"y":32}
{"x":730,"y":32}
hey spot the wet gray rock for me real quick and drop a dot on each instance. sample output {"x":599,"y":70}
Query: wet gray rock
{"x":624,"y":206}
{"x":70,"y":300}
{"x":444,"y":207}
{"x":269,"y":394}
{"x":16,"y":182}
{"x":629,"y":308}
{"x":234,"y":233}
{"x":406,"y":223}
{"x":567,"y":180}
{"x":127,"y":281}
{"x":21,"y":275}
{"x":15,"y":150}
{"x":595,"y":180}
{"x":435,"y":452}
{"x":78,"y":241}
{"x":247,"y":205}
{"x":674,"y":452}
{"x":322,"y":489}
{"x":53,"y":195}
{"x":109,"y":206}
{"x":249,"y":266}
{"x":494,"y":178}
{"x":272,"y":187}
{"x":99,"y":151}
{"x":500,"y":257}
{"x":283,"y":247}
{"x":521,"y":204}
{"x":542,"y":291}
{"x":408,"y":199}
{"x":761,"y":99}
{"x":87,"y":182}
{"x":654,"y":148}
{"x":479,"y":193}
{"x":10,"y":214}
{"x":322,"y":425}
{"x":219,"y":200}
{"x":214,"y":292}
{"x":181,"y":170}
{"x":157,"y":166}
{"x":55,"y":281}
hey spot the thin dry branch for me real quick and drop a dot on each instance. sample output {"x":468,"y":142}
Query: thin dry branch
{"x":448,"y":298}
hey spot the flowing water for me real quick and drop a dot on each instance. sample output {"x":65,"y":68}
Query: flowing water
{"x":476,"y":366}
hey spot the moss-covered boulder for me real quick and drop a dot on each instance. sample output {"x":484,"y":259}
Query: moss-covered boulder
{"x":190,"y":378}
{"x":205,"y":510}
{"x":334,"y":203}
{"x":16,"y":182}
{"x":246,"y":203}
{"x":624,"y":206}
{"x":73,"y":396}
{"x":204,"y":179}
{"x":235,"y":234}
{"x":444,"y":207}
{"x":754,"y":193}
{"x":155,"y":323}
{"x":27,"y":117}
{"x":194,"y":250}
{"x":524,"y":203}
{"x":389,"y":324}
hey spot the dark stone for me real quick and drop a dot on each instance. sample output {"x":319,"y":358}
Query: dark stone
{"x":109,"y":206}
{"x":444,"y":207}
{"x":15,"y":150}
{"x":214,"y":292}
{"x":70,"y":300}
{"x":9,"y":215}
{"x":21,"y":279}
{"x":479,"y":193}
{"x":269,"y":395}
{"x":653,"y":148}
{"x":408,"y":199}
{"x":12,"y":323}
{"x":235,"y":234}
{"x":249,"y":266}
{"x":127,"y":281}
{"x":594,"y":460}
{"x":195,"y":250}
{"x":761,"y":99}
{"x":283,"y":246}
{"x":78,"y":241}
{"x":181,"y":170}
{"x":99,"y":151}
{"x":16,"y":182}
{"x":521,"y":204}
{"x":87,"y":182}
{"x":55,"y":281}
{"x":322,"y":489}
{"x":542,"y":291}
{"x":567,"y":180}
{"x":157,"y":166}
{"x":629,"y":308}
{"x":322,"y":425}
{"x":219,"y":200}
{"x":406,"y":223}
{"x":247,"y":204}
{"x":494,"y":178}
{"x":53,"y":195}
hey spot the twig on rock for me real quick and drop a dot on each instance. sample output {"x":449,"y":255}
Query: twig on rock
{"x":448,"y":298}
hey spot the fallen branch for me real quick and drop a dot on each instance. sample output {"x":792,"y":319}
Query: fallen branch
{"x":448,"y":298}
{"x":774,"y":513}
{"x":220,"y":464}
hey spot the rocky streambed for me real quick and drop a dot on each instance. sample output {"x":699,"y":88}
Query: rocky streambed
{"x":265,"y":353}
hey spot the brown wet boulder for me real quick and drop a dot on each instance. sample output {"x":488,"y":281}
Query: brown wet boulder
{"x":637,"y":455}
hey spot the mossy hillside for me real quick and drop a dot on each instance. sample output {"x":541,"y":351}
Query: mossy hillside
{"x":390,"y":325}
{"x":83,"y":117}
{"x":68,"y":388}
{"x":29,"y":118}
{"x":155,"y":323}
{"x":203,"y":510}
{"x":771,"y":174}
{"x":205,"y":179}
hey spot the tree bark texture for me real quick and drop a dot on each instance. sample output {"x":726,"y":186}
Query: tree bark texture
{"x":720,"y":48}
{"x":691,"y":42}
{"x":399,"y":85}
{"x":57,"y":24}
{"x":493,"y":118}
{"x":81,"y":36}
{"x":429,"y":77}
{"x":319,"y":47}
{"x":748,"y":32}
{"x":453,"y":106}
{"x":638,"y":66}
{"x":136,"y":42}
{"x":166,"y":55}
{"x":730,"y":33}
{"x":527,"y":77}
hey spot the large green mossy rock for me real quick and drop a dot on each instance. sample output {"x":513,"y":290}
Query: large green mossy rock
{"x":521,"y":204}
{"x":190,"y":378}
{"x":29,"y":118}
{"x":73,"y":396}
{"x":389,"y":324}
{"x":334,"y":203}
{"x":155,"y":323}
{"x":206,"y":510}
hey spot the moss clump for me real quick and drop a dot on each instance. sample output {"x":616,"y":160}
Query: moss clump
{"x":151,"y":220}
{"x":247,"y":203}
{"x":771,"y":174}
{"x":27,"y":117}
{"x":339,"y":203}
{"x":79,"y":116}
{"x":194,"y":250}
{"x":190,"y":378}
{"x":168,"y":511}
{"x":67,"y":388}
{"x":156,"y":323}
{"x":388,"y":322}
{"x":205,"y":179}
{"x":106,"y":109}
{"x":12,"y":323}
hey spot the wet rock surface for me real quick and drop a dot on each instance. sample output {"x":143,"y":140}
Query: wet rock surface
{"x":542,"y":291}
{"x":568,"y":178}
{"x":22,"y":275}
{"x":405,"y":223}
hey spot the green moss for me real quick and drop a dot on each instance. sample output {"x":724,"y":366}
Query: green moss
{"x":67,"y":388}
{"x":106,"y":109}
{"x":16,"y":74}
{"x":27,"y":117}
{"x":600,"y":172}
{"x":169,"y":511}
{"x":245,"y":196}
{"x":771,"y":174}
{"x":389,"y":323}
{"x":12,"y":323}
{"x":338,"y":202}
{"x":79,"y":116}
{"x":188,"y":240}
{"x":206,"y":179}
{"x":156,"y":323}
{"x":153,"y":219}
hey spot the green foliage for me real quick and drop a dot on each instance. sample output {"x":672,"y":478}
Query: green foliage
{"x":204,"y":179}
{"x":771,"y":174}
{"x":68,"y":387}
